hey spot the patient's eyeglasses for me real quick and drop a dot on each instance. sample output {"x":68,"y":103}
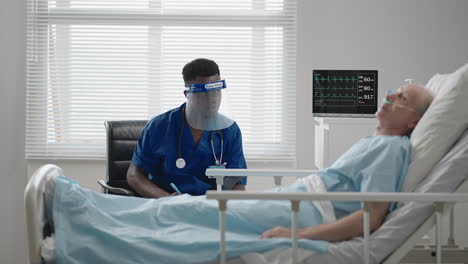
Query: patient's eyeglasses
{"x":387,"y":101}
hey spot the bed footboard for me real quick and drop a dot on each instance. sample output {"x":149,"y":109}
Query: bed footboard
{"x":35,"y":209}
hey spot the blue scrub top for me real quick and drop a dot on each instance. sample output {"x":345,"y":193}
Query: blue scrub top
{"x":373,"y":164}
{"x":157,"y":152}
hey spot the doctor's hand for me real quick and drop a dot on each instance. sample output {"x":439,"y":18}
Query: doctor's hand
{"x":174,"y":194}
{"x":277,"y":232}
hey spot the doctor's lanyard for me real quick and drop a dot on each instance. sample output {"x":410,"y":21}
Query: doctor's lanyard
{"x":180,"y":162}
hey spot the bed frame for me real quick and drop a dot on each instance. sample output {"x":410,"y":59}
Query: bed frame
{"x":35,"y":208}
{"x":443,"y":204}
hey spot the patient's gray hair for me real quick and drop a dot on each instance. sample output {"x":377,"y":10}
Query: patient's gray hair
{"x":424,"y":101}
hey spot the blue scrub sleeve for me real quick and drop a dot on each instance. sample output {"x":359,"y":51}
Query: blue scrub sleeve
{"x":143,"y":156}
{"x":235,"y":159}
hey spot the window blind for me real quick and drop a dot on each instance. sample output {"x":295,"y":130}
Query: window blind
{"x":89,"y":61}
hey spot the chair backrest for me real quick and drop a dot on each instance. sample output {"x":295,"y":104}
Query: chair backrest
{"x":122,"y":138}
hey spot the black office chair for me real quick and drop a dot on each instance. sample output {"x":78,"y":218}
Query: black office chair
{"x":122,"y":138}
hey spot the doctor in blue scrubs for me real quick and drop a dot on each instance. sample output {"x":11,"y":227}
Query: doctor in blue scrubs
{"x":176,"y":147}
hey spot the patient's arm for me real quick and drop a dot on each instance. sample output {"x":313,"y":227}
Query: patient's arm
{"x":138,"y":179}
{"x":238,"y":187}
{"x":342,"y":229}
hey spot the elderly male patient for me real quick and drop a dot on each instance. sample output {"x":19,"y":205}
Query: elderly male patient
{"x":180,"y":228}
{"x":377,"y":163}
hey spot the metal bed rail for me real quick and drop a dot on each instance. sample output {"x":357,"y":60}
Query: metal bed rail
{"x":219,"y":174}
{"x":439,"y":200}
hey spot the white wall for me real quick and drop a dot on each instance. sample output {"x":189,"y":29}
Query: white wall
{"x":12,"y":108}
{"x":400,"y":38}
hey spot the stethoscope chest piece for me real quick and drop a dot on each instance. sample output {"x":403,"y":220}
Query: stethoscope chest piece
{"x":180,"y":163}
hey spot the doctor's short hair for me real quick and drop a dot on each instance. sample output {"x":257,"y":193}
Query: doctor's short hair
{"x":199,"y":67}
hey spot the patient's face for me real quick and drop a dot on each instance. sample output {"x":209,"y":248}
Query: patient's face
{"x":401,"y":113}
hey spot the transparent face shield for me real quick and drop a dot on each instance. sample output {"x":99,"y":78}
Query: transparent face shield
{"x":203,"y":103}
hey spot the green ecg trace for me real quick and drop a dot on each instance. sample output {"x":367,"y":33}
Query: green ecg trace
{"x":335,"y":96}
{"x":335,"y":88}
{"x":335,"y":78}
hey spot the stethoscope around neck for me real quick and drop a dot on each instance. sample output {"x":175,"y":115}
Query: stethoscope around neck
{"x":180,"y":162}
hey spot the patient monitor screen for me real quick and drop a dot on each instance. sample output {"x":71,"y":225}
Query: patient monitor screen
{"x":344,"y":92}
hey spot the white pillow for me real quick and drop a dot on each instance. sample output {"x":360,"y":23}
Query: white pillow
{"x":437,"y":82}
{"x":441,"y":125}
{"x":447,"y":176}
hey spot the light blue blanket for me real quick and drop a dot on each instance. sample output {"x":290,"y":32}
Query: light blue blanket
{"x":91,"y":227}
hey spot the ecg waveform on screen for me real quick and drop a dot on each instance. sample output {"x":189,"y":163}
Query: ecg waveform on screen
{"x":352,"y":91}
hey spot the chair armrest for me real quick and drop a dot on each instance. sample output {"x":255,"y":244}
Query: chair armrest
{"x":116,"y":190}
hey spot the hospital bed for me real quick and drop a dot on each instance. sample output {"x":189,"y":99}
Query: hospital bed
{"x":401,"y":230}
{"x":440,"y":181}
{"x":387,"y":245}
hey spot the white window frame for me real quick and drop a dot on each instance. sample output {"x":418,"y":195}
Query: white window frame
{"x":42,"y":99}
